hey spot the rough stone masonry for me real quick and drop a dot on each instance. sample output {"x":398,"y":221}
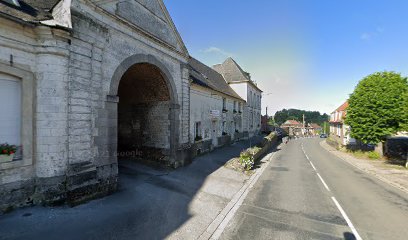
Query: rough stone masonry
{"x":76,"y":61}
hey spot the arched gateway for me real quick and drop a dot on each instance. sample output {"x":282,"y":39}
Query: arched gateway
{"x":146,"y":109}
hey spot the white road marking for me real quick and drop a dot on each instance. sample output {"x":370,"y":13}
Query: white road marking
{"x":313,"y":165}
{"x":343,"y":213}
{"x":349,"y":223}
{"x":324,"y":183}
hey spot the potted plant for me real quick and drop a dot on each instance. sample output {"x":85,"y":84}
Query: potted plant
{"x":7,"y":152}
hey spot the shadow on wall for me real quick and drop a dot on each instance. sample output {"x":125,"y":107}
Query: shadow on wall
{"x":150,"y":204}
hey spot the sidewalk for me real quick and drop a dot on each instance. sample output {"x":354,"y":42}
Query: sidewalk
{"x":187,"y":203}
{"x":393,"y":175}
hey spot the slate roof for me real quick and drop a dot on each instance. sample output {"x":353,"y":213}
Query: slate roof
{"x":205,"y":76}
{"x":32,"y":11}
{"x":233,"y":73}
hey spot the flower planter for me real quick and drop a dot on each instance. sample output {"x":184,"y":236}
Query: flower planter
{"x":6,"y":158}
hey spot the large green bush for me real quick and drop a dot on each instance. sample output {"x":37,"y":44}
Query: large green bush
{"x":376,"y":107}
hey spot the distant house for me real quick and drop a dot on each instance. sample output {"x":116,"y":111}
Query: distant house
{"x":314,"y":128}
{"x":293,"y":127}
{"x":241,"y":82}
{"x":265,"y":126}
{"x":337,"y":126}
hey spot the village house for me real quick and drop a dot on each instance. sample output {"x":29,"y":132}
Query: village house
{"x":337,"y":126}
{"x":241,"y":82}
{"x":314,"y":129}
{"x":84,"y":82}
{"x":215,"y":109}
{"x":293,"y":128}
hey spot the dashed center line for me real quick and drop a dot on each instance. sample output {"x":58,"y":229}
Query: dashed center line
{"x":349,"y":223}
{"x":324,"y":183}
{"x":343,"y":213}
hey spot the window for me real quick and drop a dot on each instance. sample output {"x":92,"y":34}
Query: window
{"x":10,"y":108}
{"x":224,"y":104}
{"x":239,"y":107}
{"x":223,"y":127}
{"x":235,"y":105}
{"x":198,"y":135}
{"x":16,"y":118}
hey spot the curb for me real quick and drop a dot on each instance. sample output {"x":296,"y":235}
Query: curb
{"x":218,"y":225}
{"x":333,"y":151}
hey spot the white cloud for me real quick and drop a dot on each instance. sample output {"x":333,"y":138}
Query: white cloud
{"x":218,"y":51}
{"x":366,"y":36}
{"x":369,"y":35}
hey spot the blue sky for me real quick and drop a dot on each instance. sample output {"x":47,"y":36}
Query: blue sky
{"x":306,"y":54}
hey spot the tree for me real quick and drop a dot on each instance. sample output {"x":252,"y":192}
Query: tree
{"x":296,"y":114}
{"x":376,"y":107}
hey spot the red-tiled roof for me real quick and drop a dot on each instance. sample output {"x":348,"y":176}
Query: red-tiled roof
{"x":343,"y":107}
{"x":314,"y":125}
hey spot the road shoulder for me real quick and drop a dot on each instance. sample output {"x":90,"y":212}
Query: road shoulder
{"x":395,"y":177}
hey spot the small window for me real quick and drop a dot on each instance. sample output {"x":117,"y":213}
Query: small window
{"x":224,"y":104}
{"x":198,"y":135}
{"x":235,"y":105}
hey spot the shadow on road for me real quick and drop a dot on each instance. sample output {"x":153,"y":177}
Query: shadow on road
{"x":150,"y":204}
{"x":349,"y":236}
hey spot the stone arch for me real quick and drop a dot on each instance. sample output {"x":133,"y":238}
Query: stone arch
{"x":174,"y":111}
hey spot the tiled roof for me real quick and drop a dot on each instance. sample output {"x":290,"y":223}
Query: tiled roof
{"x":233,"y":73}
{"x":343,"y":107}
{"x":205,"y":76}
{"x":292,"y":123}
{"x":29,"y":10}
{"x":314,"y":125}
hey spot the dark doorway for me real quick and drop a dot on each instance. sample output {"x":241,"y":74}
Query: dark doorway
{"x":143,"y":115}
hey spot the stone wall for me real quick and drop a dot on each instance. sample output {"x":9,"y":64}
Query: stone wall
{"x":76,"y":74}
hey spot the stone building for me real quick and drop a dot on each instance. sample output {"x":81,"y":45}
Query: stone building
{"x":241,"y":82}
{"x":87,"y":80}
{"x":215,"y":109}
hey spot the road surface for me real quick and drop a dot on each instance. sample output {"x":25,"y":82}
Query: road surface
{"x":307,"y":193}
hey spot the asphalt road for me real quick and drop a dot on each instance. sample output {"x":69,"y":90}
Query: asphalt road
{"x":307,"y":193}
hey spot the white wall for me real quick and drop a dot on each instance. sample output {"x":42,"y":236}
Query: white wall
{"x":203,"y":100}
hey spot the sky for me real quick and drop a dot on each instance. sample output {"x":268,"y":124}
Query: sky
{"x":304,"y":54}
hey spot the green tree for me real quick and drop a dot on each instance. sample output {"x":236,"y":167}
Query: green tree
{"x":404,"y":124}
{"x":296,"y":114}
{"x":376,"y":107}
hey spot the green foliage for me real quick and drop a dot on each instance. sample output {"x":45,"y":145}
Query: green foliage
{"x":404,"y":123}
{"x":271,"y":121}
{"x":246,"y":158}
{"x":6,"y":149}
{"x":373,"y":155}
{"x":376,"y":107}
{"x":296,"y":114}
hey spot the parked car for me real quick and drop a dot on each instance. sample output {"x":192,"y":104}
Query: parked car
{"x":323,"y":135}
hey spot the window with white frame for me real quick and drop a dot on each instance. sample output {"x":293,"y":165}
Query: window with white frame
{"x":10,"y":109}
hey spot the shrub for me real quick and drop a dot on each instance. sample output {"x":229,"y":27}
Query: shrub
{"x":6,"y":149}
{"x":373,"y":155}
{"x":246,"y":159}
